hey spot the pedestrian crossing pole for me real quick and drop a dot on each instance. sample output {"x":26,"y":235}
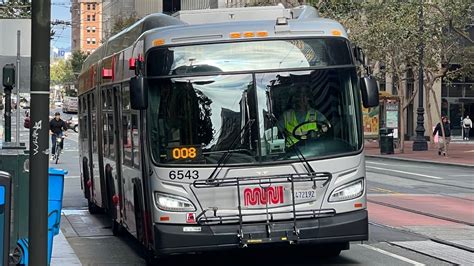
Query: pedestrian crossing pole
{"x":39,"y":133}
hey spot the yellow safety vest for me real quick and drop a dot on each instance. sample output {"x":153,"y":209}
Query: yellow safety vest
{"x":291,"y":122}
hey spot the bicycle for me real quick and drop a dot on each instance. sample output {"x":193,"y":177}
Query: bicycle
{"x":57,"y":148}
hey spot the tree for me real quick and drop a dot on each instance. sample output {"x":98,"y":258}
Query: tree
{"x":62,"y":73}
{"x":389,"y":33}
{"x":448,"y":47}
{"x":15,"y":9}
{"x":77,"y":59}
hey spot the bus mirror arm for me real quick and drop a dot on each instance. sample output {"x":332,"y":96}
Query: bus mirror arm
{"x":370,"y":91}
{"x":138,"y":93}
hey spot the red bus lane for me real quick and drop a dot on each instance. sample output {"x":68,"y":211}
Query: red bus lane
{"x":406,"y":209}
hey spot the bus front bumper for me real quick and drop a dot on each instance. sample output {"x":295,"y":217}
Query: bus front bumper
{"x":338,"y":229}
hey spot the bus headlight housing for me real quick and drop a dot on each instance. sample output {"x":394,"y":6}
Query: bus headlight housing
{"x":348,"y":191}
{"x":173,"y":203}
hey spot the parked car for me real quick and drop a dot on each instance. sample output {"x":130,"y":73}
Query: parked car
{"x":73,"y":123}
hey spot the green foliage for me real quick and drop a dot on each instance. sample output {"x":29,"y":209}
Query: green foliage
{"x":77,"y":60}
{"x":15,"y":9}
{"x":61,"y":73}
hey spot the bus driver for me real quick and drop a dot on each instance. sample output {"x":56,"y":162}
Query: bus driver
{"x":302,"y":121}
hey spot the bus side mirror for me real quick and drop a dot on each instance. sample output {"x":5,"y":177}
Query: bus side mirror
{"x":138,"y":93}
{"x":370,"y":91}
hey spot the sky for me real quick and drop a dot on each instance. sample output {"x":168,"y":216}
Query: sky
{"x":60,"y":9}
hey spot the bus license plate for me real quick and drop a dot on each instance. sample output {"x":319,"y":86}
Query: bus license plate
{"x":305,"y":194}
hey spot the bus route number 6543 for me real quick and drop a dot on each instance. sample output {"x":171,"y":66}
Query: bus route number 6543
{"x":183,"y":174}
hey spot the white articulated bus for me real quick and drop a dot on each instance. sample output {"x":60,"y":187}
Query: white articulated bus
{"x":227,"y":128}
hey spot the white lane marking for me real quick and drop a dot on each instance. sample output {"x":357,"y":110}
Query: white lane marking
{"x":71,"y":176}
{"x":403,"y":172}
{"x":399,"y":164}
{"x":378,"y":163}
{"x":407,"y":260}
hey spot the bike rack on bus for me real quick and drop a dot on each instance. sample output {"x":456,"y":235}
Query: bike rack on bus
{"x":209,"y":216}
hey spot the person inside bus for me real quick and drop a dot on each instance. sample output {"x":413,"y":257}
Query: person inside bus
{"x":301,"y":121}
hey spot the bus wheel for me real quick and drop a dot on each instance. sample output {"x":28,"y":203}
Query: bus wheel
{"x":76,"y":129}
{"x":93,"y":209}
{"x":334,"y":250}
{"x":117,"y":229}
{"x":151,"y":257}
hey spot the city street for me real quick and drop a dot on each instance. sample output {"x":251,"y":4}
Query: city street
{"x":237,"y":125}
{"x":419,"y":214}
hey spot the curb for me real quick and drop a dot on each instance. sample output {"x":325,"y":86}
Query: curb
{"x":419,"y":161}
{"x":63,"y":254}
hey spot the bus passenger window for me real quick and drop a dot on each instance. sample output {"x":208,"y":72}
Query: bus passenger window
{"x":126,"y":140}
{"x":135,"y":141}
{"x":105,"y":136}
{"x":110,"y":135}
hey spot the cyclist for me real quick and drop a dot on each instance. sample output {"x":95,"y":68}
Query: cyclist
{"x":57,"y":127}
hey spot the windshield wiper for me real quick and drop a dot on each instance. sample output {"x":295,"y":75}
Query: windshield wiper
{"x":299,"y":154}
{"x":221,"y":162}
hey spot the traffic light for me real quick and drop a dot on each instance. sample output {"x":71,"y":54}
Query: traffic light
{"x":9,"y":75}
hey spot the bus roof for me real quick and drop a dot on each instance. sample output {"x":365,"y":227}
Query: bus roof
{"x":249,"y":23}
{"x":220,"y":25}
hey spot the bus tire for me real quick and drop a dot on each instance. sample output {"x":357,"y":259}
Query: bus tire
{"x":93,"y":208}
{"x":117,"y":229}
{"x":76,"y":129}
{"x":151,"y":257}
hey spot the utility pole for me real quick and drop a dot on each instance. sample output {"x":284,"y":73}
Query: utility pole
{"x":420,"y":143}
{"x":39,"y":133}
{"x":18,"y":35}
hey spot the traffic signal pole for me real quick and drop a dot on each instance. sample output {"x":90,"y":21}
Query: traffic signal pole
{"x":39,"y":133}
{"x":8,"y":82}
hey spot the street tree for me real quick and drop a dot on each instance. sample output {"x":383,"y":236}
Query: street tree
{"x":448,"y":47}
{"x":387,"y":31}
{"x":62,"y":72}
{"x":77,"y":59}
{"x":15,"y":9}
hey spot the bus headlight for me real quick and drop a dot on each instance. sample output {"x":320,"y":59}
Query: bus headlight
{"x":173,"y":203}
{"x":348,"y":192}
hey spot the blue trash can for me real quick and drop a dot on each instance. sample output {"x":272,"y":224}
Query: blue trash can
{"x":55,"y":202}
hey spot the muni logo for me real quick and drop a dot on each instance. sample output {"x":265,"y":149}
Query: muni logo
{"x":262,"y":196}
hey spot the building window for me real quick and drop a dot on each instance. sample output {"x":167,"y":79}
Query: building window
{"x":93,"y":17}
{"x":93,"y":6}
{"x":93,"y":40}
{"x":88,"y":17}
{"x":88,"y":52}
{"x":88,"y":29}
{"x":93,"y":29}
{"x":88,"y":40}
{"x":88,"y":6}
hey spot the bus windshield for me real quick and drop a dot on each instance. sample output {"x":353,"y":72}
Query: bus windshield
{"x":196,"y":120}
{"x":248,"y":56}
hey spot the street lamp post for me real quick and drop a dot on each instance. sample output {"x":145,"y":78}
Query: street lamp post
{"x":420,"y":143}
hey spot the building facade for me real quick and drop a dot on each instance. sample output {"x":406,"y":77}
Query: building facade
{"x":86,"y":25}
{"x":114,"y":9}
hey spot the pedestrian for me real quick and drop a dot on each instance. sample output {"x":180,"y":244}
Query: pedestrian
{"x":466,"y":126}
{"x":447,"y":134}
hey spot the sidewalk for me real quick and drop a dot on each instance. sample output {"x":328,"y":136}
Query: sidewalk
{"x":459,"y":153}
